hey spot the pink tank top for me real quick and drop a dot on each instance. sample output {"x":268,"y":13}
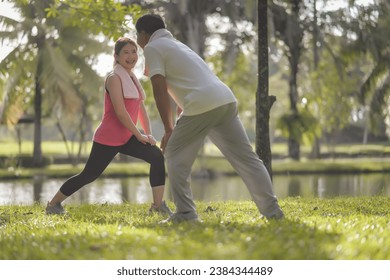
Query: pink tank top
{"x":111,"y":131}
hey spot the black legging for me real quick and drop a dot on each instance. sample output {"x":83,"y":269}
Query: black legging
{"x":102,"y":155}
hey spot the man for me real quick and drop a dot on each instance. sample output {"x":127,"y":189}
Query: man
{"x":208,"y":108}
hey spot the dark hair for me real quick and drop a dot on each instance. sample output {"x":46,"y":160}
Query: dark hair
{"x":149,"y":23}
{"x":121,"y":42}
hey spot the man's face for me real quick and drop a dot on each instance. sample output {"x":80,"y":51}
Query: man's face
{"x":142,"y":39}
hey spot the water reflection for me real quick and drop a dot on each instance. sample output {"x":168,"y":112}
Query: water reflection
{"x":137,"y":190}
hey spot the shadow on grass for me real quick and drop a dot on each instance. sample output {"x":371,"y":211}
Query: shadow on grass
{"x":127,"y":232}
{"x":284,"y":240}
{"x":225,"y":235}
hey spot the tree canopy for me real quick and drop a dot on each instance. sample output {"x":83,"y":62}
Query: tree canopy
{"x":330,"y":60}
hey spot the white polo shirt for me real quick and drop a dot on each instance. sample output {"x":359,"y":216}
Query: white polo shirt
{"x":191,"y":83}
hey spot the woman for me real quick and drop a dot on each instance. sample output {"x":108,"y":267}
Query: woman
{"x":117,"y":132}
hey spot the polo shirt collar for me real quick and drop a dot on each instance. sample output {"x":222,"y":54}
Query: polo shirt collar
{"x":161,"y":33}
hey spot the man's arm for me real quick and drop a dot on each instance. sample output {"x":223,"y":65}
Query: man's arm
{"x":163,"y":103}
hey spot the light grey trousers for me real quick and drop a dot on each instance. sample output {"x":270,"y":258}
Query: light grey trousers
{"x":224,"y":128}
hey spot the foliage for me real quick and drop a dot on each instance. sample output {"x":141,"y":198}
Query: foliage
{"x":57,"y":42}
{"x":350,"y":47}
{"x":329,"y":89}
{"x":13,"y":105}
{"x":333,"y":229}
{"x":201,"y":23}
{"x":302,"y":127}
{"x":70,"y":48}
{"x":353,"y":46}
{"x":366,"y":29}
{"x":241,"y":80}
{"x":108,"y":17}
{"x":56,"y":59}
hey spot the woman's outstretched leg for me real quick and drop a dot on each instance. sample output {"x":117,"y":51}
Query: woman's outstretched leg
{"x":99,"y":158}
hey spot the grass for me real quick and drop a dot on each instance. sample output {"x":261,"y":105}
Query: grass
{"x":314,"y":229}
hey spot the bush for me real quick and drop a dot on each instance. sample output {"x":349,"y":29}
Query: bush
{"x":23,"y":161}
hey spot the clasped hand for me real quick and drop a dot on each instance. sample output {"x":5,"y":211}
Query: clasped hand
{"x":147,"y":139}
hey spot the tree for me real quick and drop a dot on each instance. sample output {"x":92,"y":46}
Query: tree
{"x":264,"y":102}
{"x":57,"y":51}
{"x":368,"y":32}
{"x":187,"y":19}
{"x":349,"y":75}
{"x":289,"y":30}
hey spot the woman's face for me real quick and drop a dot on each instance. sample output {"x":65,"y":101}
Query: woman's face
{"x":128,"y":56}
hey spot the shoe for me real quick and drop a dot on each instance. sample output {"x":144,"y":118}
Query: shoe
{"x":277,"y":216}
{"x":162,"y":209}
{"x":182,"y":217}
{"x":56,"y":209}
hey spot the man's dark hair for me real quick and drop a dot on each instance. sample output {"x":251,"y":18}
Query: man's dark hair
{"x":149,"y":23}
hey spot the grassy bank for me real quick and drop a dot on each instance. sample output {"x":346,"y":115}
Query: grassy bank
{"x":374,"y":160}
{"x":218,"y":165}
{"x":58,"y":148}
{"x":342,"y":228}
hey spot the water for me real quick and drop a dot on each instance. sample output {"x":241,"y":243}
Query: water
{"x":137,"y":190}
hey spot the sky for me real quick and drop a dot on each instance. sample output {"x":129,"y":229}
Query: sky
{"x":6,"y":9}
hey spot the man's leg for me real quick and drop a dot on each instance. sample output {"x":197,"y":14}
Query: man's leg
{"x":180,"y":154}
{"x":231,"y":138}
{"x":181,"y":151}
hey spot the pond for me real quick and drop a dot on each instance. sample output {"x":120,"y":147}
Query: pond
{"x":137,"y":190}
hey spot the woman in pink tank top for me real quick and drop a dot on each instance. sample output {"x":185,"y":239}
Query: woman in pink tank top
{"x":118,"y":133}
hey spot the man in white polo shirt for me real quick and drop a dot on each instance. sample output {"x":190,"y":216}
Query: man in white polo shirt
{"x":208,"y":108}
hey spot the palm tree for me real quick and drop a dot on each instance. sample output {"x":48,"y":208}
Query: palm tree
{"x":50,"y":67}
{"x":372,"y":30}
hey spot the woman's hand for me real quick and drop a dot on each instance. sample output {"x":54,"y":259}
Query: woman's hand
{"x":144,"y":139}
{"x":152,"y":140}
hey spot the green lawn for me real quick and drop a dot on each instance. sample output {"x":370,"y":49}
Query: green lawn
{"x":335,"y":229}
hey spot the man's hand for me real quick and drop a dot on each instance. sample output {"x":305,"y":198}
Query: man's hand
{"x":164,"y":140}
{"x":163,"y":103}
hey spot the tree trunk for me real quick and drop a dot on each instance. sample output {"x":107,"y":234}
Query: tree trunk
{"x":316,"y":148}
{"x":65,"y":139}
{"x":37,"y":152}
{"x":288,"y":29}
{"x":293,"y":144}
{"x":187,"y":19}
{"x":264,"y":102}
{"x":294,"y":149}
